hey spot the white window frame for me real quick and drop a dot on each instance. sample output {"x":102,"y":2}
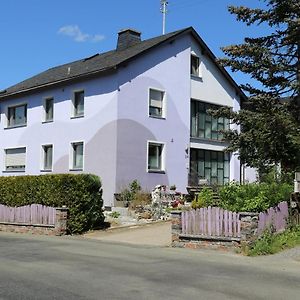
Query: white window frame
{"x":4,"y":161}
{"x":199,"y":66}
{"x":44,"y":110}
{"x":163,"y":157}
{"x":43,"y":158}
{"x":164,"y":103}
{"x":73,"y":109}
{"x":12,"y":106}
{"x":71,"y":155}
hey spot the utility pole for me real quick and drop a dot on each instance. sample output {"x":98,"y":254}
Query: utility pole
{"x":163,"y":9}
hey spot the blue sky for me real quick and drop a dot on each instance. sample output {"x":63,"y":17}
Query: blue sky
{"x":39,"y":34}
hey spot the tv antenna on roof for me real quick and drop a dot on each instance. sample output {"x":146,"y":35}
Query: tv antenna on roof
{"x":163,"y":9}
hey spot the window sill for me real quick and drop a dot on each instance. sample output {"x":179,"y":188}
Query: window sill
{"x":157,"y":171}
{"x":157,"y":117}
{"x":196,"y":77}
{"x":77,"y":117}
{"x":48,"y":121}
{"x":200,"y":139}
{"x":15,"y":126}
{"x":76,"y":169}
{"x":13,"y":171}
{"x":46,"y":170}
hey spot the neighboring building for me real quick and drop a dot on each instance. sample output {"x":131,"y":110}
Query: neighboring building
{"x":137,"y":112}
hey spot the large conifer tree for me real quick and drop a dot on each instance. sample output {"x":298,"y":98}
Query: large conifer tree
{"x":270,"y":118}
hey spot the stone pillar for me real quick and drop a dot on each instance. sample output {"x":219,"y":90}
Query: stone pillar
{"x":249,"y":226}
{"x":61,"y":220}
{"x":176,"y":228}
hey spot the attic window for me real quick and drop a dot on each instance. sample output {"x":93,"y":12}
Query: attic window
{"x":195,"y":66}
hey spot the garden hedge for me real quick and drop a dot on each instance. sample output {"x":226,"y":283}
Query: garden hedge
{"x":80,"y":193}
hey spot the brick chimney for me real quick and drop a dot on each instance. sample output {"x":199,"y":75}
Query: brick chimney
{"x":127,"y":38}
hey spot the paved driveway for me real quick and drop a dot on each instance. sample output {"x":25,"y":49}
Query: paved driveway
{"x":157,"y":234}
{"x":35,"y":267}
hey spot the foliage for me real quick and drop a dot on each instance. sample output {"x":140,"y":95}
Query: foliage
{"x":253,"y":197}
{"x":141,"y":198}
{"x":270,"y":127}
{"x":270,"y":243}
{"x":203,"y":199}
{"x":80,"y":193}
{"x":115,"y":214}
{"x":128,"y":194}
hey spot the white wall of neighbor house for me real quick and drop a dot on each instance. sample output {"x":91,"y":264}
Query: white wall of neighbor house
{"x":212,"y":87}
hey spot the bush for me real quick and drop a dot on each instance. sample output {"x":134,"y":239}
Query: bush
{"x":203,"y":199}
{"x":270,"y":243}
{"x":80,"y":193}
{"x":253,"y":197}
{"x":128,"y":194}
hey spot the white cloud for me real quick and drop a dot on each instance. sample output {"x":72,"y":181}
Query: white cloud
{"x":77,"y":35}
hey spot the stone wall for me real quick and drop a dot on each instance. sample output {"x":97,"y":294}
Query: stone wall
{"x":249,"y":232}
{"x":59,"y":228}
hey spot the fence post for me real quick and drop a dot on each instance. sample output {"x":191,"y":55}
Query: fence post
{"x":176,"y":216}
{"x":61,"y":220}
{"x":249,"y":226}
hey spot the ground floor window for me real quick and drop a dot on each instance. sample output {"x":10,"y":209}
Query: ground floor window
{"x":77,"y":155}
{"x":47,"y":157}
{"x":15,"y":159}
{"x":210,"y":165}
{"x":155,"y":157}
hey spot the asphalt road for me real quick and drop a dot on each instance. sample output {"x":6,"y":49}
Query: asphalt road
{"x":35,"y":267}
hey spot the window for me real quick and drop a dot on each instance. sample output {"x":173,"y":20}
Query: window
{"x":77,"y":156}
{"x":15,"y":159}
{"x":210,"y":165}
{"x":47,"y":157}
{"x":17,"y":115}
{"x":155,"y":157}
{"x":156,"y":103}
{"x":48,"y":109}
{"x":195,"y":65}
{"x":78,"y":104}
{"x":204,"y":125}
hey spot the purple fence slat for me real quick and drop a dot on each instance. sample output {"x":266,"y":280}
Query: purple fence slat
{"x":275,"y":217}
{"x":217,"y":221}
{"x":230,"y":223}
{"x":29,"y":214}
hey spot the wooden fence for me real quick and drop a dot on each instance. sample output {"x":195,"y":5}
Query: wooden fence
{"x":211,"y":221}
{"x":34,"y":214}
{"x":275,"y":217}
{"x":217,"y":222}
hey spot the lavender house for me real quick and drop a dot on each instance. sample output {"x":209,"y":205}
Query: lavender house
{"x":136,"y":112}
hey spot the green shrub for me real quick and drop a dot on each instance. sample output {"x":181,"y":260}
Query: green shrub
{"x":129,"y":193}
{"x":270,"y":243}
{"x":253,"y":197}
{"x":80,"y":193}
{"x":203,"y":199}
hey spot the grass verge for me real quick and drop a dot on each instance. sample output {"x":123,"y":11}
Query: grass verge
{"x":270,"y":243}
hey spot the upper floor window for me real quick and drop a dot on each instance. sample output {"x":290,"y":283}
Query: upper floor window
{"x":15,"y":159}
{"x":195,"y":65}
{"x":156,"y":103}
{"x":17,"y":115}
{"x":78,"y":104}
{"x":48,"y":109}
{"x":204,"y":125}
